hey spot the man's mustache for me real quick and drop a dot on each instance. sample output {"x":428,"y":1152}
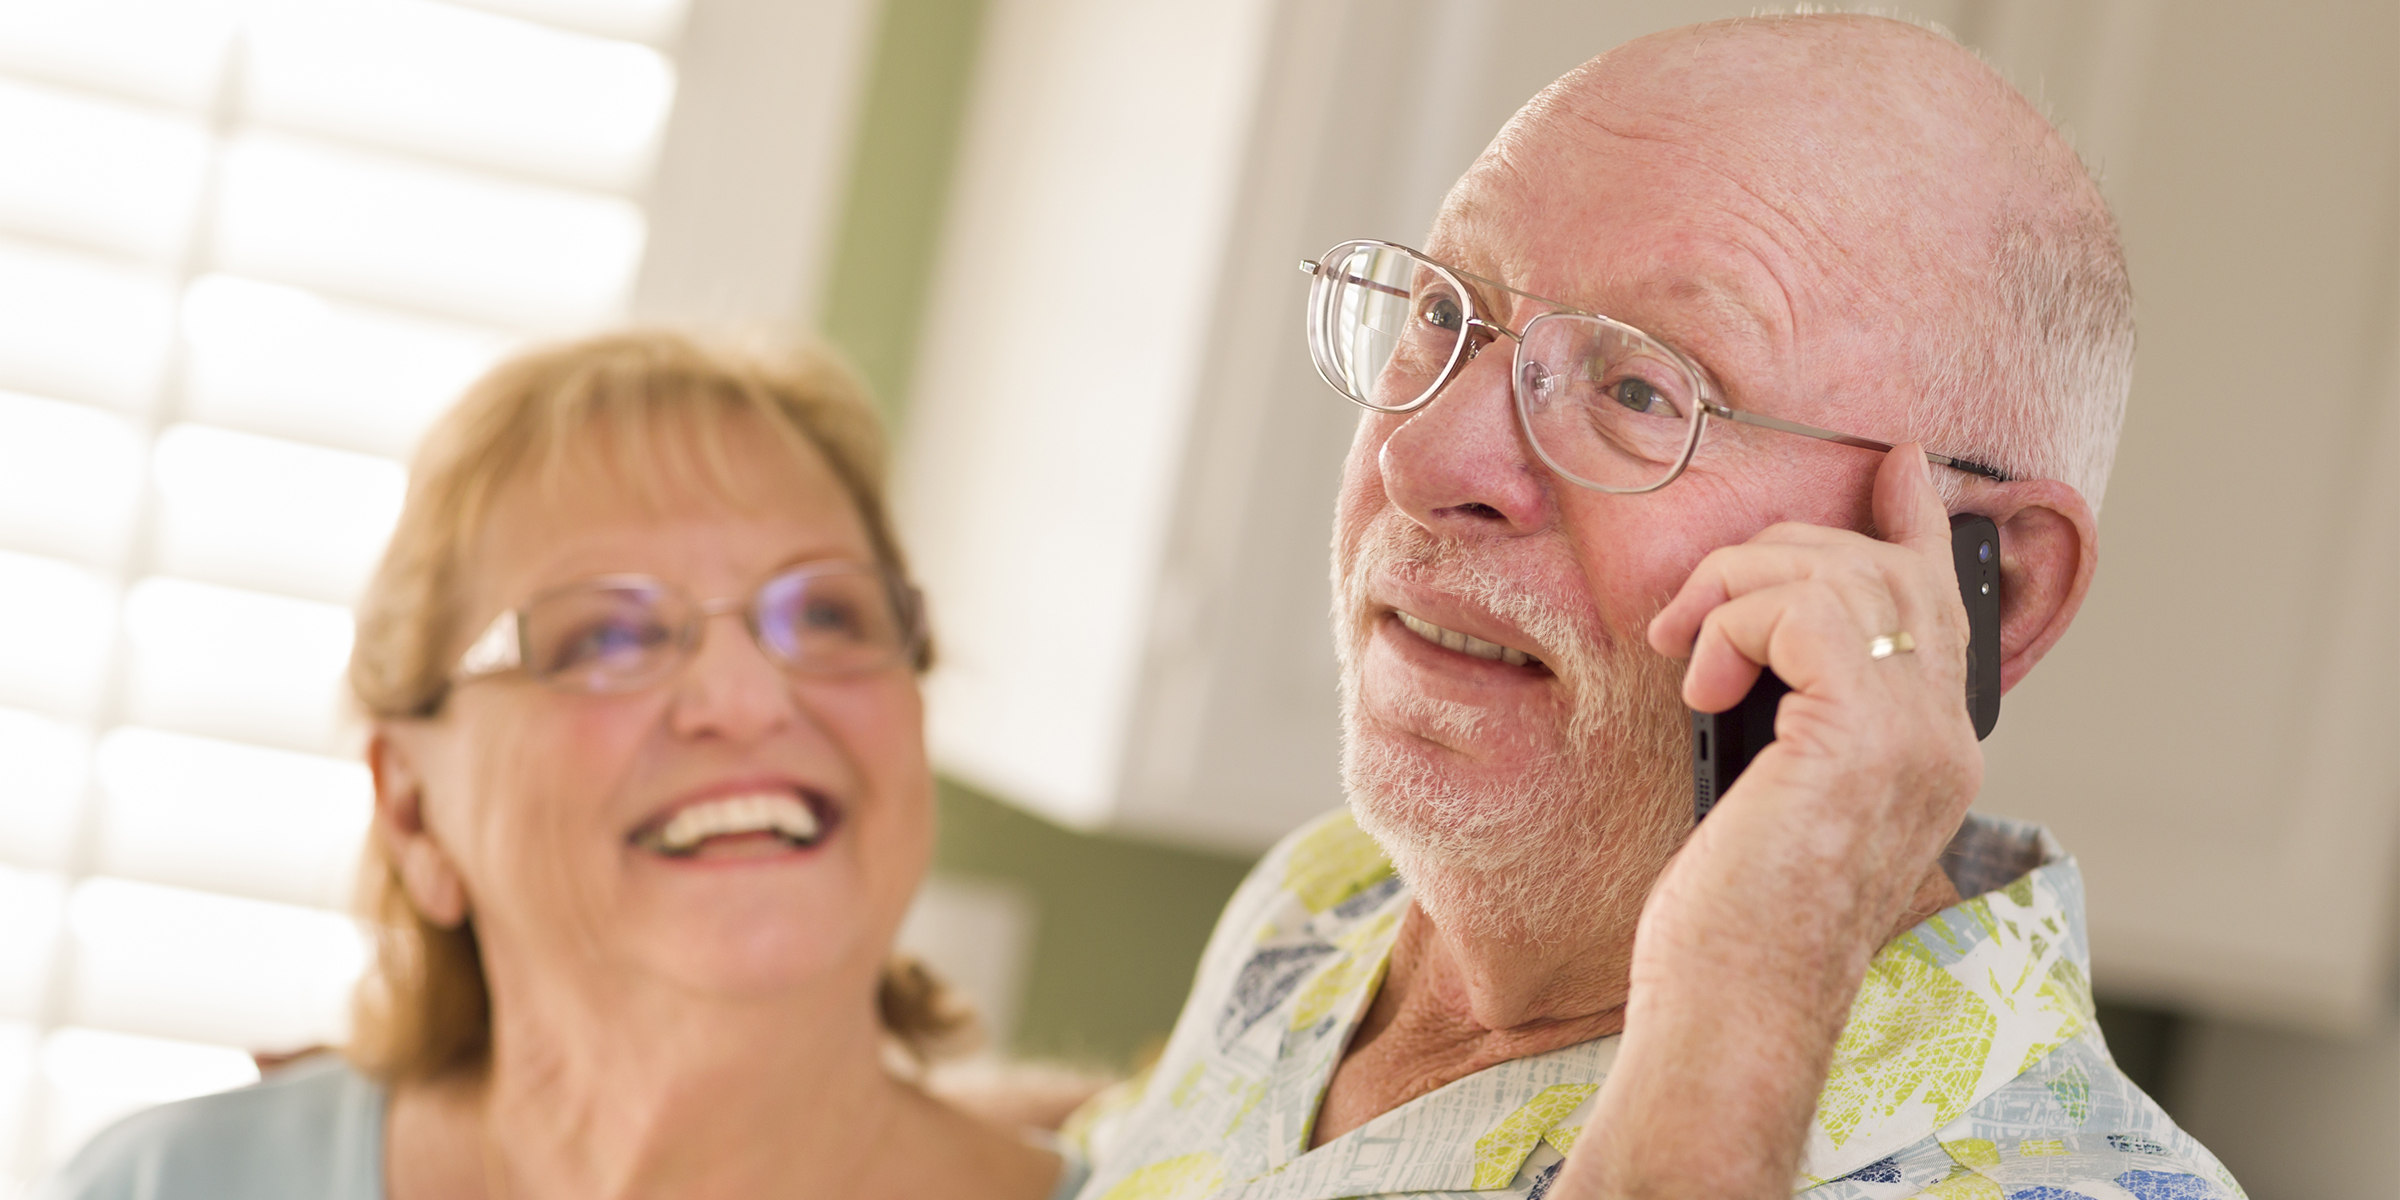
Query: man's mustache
{"x":1398,"y":548}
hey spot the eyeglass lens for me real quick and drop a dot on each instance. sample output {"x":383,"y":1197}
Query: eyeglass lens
{"x":619,"y":635}
{"x":1388,"y":326}
{"x":1602,"y":402}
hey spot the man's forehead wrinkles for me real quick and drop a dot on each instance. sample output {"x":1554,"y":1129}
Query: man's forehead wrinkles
{"x":1772,"y":182}
{"x":1614,"y":120}
{"x":1698,"y":301}
{"x":1798,"y":232}
{"x":1482,"y":210}
{"x":1724,"y":268}
{"x":1774,"y":227}
{"x":1717,"y":312}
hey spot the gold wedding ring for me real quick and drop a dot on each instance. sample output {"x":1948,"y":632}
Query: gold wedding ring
{"x":1890,"y":644}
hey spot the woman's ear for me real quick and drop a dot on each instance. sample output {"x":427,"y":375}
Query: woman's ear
{"x":2049,"y":551}
{"x":426,"y":872}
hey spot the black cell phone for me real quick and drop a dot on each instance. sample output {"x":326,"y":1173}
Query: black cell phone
{"x":1724,"y":743}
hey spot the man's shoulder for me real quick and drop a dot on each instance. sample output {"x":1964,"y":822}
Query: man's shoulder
{"x":312,"y":1130}
{"x":1972,"y":1063}
{"x":2071,"y":1126}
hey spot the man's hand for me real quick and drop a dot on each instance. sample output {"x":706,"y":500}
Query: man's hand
{"x":1751,"y":948}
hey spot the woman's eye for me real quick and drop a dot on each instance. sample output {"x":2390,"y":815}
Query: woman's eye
{"x":605,"y":640}
{"x":1443,"y":311}
{"x":829,"y":616}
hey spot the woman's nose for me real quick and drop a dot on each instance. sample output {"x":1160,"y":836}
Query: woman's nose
{"x":730,"y":688}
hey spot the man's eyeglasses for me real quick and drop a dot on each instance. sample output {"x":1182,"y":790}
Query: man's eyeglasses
{"x":622,"y":633}
{"x":1604,"y":404}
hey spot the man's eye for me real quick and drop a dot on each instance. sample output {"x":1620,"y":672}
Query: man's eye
{"x":1443,"y":311}
{"x":1639,"y":396}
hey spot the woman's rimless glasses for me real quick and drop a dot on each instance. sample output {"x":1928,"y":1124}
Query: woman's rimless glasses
{"x":1604,"y":404}
{"x":621,"y":633}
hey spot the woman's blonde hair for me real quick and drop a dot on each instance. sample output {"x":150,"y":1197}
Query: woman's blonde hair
{"x":660,"y":406}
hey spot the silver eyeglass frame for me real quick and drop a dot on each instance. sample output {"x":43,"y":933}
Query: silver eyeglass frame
{"x":1476,"y":331}
{"x":501,"y":648}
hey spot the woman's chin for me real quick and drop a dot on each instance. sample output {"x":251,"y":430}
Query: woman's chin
{"x":748,"y":959}
{"x":747,"y":919}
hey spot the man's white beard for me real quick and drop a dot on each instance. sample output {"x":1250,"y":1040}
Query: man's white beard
{"x":1569,"y":848}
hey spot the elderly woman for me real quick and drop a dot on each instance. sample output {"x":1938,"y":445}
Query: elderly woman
{"x":651,"y":799}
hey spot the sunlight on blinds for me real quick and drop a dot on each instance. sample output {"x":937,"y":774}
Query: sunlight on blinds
{"x":421,"y":236}
{"x":248,"y":249}
{"x":48,"y":763}
{"x":465,"y":86}
{"x":99,"y":170}
{"x":80,"y":327}
{"x":260,"y":512}
{"x":229,"y":817}
{"x":61,"y":619}
{"x":235,"y":663}
{"x":208,"y":967}
{"x":35,"y":901}
{"x":70,"y":478}
{"x":259,"y":356}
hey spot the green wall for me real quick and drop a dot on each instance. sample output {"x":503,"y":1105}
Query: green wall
{"x":899,"y":184}
{"x":1118,"y":923}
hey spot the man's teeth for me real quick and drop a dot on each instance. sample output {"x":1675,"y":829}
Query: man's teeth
{"x":767,"y":812}
{"x":1451,"y":639}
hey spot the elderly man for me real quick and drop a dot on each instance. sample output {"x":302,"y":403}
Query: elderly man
{"x":1795,"y":226}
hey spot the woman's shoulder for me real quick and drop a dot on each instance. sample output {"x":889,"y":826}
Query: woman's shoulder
{"x":314,"y":1130}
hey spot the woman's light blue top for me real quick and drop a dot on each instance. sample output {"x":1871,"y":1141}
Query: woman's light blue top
{"x":313,"y":1131}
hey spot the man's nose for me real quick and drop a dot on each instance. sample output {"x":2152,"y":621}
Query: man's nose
{"x":1460,"y":465}
{"x":730,"y":688}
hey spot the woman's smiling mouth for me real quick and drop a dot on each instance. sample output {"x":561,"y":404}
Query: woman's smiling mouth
{"x":785,"y":818}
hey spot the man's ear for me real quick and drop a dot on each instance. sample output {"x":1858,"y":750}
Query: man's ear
{"x":2049,"y":551}
{"x":433,"y":883}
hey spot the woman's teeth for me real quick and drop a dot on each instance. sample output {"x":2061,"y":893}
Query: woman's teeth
{"x":1451,"y":639}
{"x":779,"y":813}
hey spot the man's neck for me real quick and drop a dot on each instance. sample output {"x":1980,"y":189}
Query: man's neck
{"x":1450,"y":1007}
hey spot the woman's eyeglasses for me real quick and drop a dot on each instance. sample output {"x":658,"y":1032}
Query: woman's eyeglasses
{"x":1604,"y":404}
{"x":622,"y":633}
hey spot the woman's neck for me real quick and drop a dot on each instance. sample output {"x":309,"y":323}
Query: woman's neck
{"x":664,"y":1095}
{"x":645,"y":1094}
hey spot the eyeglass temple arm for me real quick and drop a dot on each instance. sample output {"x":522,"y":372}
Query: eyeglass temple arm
{"x":498,"y":648}
{"x":1308,"y":266}
{"x":1970,"y":466}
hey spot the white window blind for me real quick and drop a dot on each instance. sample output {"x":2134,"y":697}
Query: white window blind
{"x":247,"y":249}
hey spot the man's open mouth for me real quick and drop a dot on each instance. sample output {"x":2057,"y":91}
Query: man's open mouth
{"x":1467,"y":644}
{"x":795,"y":820}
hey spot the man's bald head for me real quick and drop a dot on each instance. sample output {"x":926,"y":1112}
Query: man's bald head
{"x":1926,"y":202}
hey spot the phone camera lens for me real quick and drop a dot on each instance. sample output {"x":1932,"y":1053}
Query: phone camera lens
{"x":1983,"y":552}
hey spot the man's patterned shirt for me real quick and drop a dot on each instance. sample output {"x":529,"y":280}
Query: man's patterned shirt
{"x":1970,"y":1068}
